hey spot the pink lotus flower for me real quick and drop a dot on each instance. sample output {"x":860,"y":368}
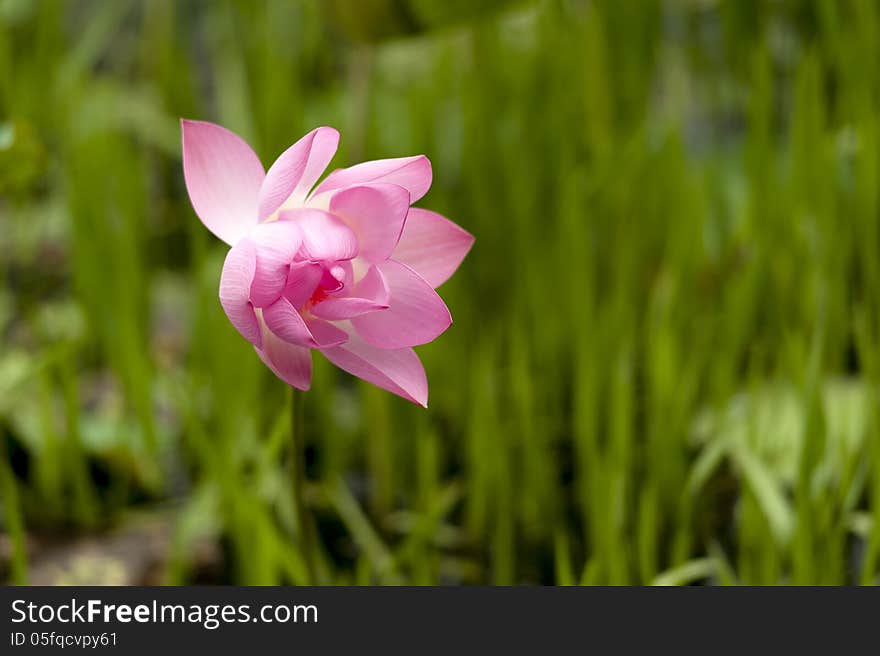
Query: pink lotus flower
{"x":348,"y":268}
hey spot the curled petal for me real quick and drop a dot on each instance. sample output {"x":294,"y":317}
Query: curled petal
{"x":412,"y":173}
{"x":285,"y":322}
{"x":277,"y":243}
{"x":376,"y":213}
{"x":415,"y":315}
{"x":325,"y":238}
{"x":333,"y":279}
{"x":296,"y":170}
{"x":291,"y":363}
{"x":432,"y":245}
{"x":235,"y":285}
{"x":302,"y":280}
{"x":343,"y":273}
{"x":223,"y":178}
{"x":374,"y":286}
{"x":399,"y":371}
{"x":370,"y":294}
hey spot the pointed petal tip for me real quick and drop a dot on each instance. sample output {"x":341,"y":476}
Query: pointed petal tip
{"x":397,"y":371}
{"x":328,"y":130}
{"x":432,"y":245}
{"x":418,"y":396}
{"x":292,"y":176}
{"x":194,"y":123}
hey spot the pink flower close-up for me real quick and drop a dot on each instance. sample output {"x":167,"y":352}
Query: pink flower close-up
{"x":348,"y":268}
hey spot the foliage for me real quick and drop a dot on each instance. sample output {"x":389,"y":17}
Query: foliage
{"x":664,"y":361}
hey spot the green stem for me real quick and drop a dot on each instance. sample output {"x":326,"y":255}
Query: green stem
{"x":304,"y":524}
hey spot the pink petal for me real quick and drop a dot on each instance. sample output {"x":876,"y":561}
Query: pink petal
{"x":374,"y":286}
{"x":415,"y":315}
{"x":333,"y":279}
{"x":336,"y":309}
{"x":291,"y":363}
{"x":277,"y":243}
{"x":325,"y":238}
{"x":326,"y":334}
{"x":302,"y":281}
{"x":284,"y":320}
{"x":432,"y":245}
{"x":411,"y":173}
{"x":370,"y":294}
{"x":235,"y":285}
{"x":223,"y":178}
{"x":343,"y":273}
{"x":376,"y":214}
{"x":399,"y":371}
{"x":296,"y":170}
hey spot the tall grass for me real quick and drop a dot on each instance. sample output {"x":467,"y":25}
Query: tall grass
{"x":665,"y":359}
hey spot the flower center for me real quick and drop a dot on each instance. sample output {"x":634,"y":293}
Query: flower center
{"x":333,"y":278}
{"x":319,"y":295}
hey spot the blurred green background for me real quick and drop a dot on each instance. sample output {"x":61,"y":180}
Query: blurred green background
{"x":665,"y":360}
